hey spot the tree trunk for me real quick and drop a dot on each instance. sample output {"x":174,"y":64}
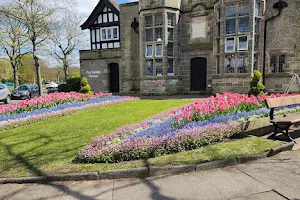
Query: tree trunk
{"x":66,"y":68}
{"x":37,"y":68}
{"x":16,"y":77}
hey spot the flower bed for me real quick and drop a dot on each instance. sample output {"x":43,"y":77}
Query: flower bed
{"x":48,"y":101}
{"x":95,"y":101}
{"x":184,"y":128}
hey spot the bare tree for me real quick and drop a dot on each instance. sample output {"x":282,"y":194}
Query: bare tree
{"x":35,"y":15}
{"x":66,"y":35}
{"x":13,"y":43}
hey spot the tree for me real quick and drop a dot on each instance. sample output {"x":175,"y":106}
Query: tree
{"x":12,"y":41}
{"x":66,"y":35}
{"x":35,"y":16}
{"x":6,"y":72}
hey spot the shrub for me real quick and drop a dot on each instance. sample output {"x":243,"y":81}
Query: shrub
{"x":85,"y":86}
{"x":256,"y":86}
{"x":72,"y":84}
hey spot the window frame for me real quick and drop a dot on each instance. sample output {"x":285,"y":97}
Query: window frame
{"x":234,"y":45}
{"x":146,"y":51}
{"x":162,"y":50}
{"x":238,"y":43}
{"x":111,"y":28}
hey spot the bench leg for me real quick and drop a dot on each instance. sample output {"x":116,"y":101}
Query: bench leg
{"x":288,"y":135}
{"x":275,"y":131}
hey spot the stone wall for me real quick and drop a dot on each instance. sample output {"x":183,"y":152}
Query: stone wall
{"x":231,"y":83}
{"x":283,"y":37}
{"x":130,"y":71}
{"x":160,"y":86}
{"x":198,"y":15}
{"x":94,"y":66}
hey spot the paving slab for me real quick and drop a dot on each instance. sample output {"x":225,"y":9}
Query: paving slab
{"x":8,"y":190}
{"x":100,"y":190}
{"x":185,"y":186}
{"x":233,"y":183}
{"x":282,"y":180}
{"x":35,"y":191}
{"x":271,"y":195}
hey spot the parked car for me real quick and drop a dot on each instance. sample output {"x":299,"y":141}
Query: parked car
{"x":10,"y":84}
{"x":5,"y":94}
{"x":51,"y":85}
{"x":25,"y":92}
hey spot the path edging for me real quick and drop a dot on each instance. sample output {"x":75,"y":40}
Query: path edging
{"x":145,"y":172}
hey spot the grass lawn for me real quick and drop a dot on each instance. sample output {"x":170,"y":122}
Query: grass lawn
{"x":48,"y":147}
{"x":11,"y":88}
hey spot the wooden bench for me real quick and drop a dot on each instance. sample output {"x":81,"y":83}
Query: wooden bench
{"x":283,"y":123}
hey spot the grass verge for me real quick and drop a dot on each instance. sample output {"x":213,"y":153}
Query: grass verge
{"x":49,"y":146}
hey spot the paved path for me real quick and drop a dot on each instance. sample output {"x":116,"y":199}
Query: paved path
{"x":275,"y":178}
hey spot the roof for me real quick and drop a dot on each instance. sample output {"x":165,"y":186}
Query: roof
{"x":102,"y":3}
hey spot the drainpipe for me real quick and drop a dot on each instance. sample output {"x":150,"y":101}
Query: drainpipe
{"x":279,"y":5}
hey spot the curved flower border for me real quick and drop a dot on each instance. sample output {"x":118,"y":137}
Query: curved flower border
{"x":60,"y":110}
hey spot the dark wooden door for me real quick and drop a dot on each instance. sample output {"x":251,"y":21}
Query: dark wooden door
{"x":114,"y":77}
{"x":198,"y":74}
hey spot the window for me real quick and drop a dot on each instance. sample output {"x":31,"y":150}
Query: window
{"x":257,"y":21}
{"x":115,"y":33}
{"x":159,"y":67}
{"x":230,"y":11}
{"x":230,"y":26}
{"x":158,"y":50}
{"x":170,"y":34}
{"x":281,"y":63}
{"x":110,"y":33}
{"x":171,"y":19}
{"x":242,"y":63}
{"x":229,"y":64}
{"x":244,"y":25}
{"x":149,"y":50}
{"x":158,"y":20}
{"x":149,"y":69}
{"x":273,"y":62}
{"x":243,"y":43}
{"x":257,"y":9}
{"x":237,"y":17}
{"x":170,"y":66}
{"x":170,"y":49}
{"x":244,"y":9}
{"x":149,"y":35}
{"x":277,"y":63}
{"x":230,"y":44}
{"x":255,"y":61}
{"x":148,"y":21}
{"x":256,"y":42}
{"x":158,"y":34}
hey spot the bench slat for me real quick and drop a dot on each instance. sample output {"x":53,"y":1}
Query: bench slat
{"x":287,"y":120}
{"x":283,"y":101}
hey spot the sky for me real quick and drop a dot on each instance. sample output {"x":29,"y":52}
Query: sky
{"x":85,"y":7}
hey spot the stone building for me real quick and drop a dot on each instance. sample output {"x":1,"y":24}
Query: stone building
{"x":165,"y":47}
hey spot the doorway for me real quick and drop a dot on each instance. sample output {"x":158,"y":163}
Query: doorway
{"x":114,"y":77}
{"x":198,"y":74}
